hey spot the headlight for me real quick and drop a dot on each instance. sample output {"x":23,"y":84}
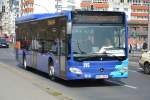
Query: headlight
{"x":124,"y":69}
{"x":75,"y":70}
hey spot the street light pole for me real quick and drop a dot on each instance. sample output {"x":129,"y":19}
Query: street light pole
{"x":57,"y":6}
{"x":42,"y":7}
{"x":148,"y":26}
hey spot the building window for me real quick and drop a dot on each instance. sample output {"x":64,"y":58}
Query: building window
{"x":129,"y":1}
{"x":122,"y":1}
{"x":126,"y":9}
{"x":116,"y":9}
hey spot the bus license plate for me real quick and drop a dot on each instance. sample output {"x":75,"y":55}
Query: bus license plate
{"x":101,"y":76}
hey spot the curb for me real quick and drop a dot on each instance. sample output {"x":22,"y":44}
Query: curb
{"x":35,"y":81}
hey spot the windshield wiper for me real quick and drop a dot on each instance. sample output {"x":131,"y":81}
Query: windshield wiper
{"x":120,"y":58}
{"x":82,"y":52}
{"x":99,"y":56}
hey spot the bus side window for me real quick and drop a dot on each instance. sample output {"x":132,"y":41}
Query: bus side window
{"x":35,"y":45}
{"x":42,"y":49}
{"x":40,"y":46}
{"x":54,"y":47}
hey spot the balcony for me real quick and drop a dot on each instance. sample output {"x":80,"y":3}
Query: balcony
{"x":27,"y":2}
{"x":27,"y":10}
{"x":100,"y":5}
{"x":139,"y":14}
{"x":85,"y":4}
{"x":139,"y":7}
{"x":134,"y":21}
{"x":96,"y":5}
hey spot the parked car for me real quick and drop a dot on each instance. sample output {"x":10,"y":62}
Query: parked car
{"x":3,"y":43}
{"x":144,"y":62}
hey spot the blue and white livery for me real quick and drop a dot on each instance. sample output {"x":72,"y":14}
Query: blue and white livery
{"x":75,"y":44}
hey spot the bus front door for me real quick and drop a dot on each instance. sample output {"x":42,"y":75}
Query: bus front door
{"x":62,"y":66}
{"x":62,"y":59}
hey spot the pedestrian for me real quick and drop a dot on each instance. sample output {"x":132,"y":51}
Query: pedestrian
{"x":17,"y":47}
{"x":130,"y":48}
{"x":144,"y":46}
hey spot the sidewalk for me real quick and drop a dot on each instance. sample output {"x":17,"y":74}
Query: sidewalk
{"x":14,"y":87}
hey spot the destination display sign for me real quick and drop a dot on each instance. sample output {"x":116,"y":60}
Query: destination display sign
{"x":112,"y":19}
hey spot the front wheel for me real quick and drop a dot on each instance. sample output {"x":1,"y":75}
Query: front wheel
{"x":147,"y":68}
{"x":51,"y":70}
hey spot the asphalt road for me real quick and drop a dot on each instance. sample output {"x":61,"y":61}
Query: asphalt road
{"x":136,"y":87}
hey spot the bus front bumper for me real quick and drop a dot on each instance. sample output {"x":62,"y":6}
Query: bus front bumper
{"x":73,"y":76}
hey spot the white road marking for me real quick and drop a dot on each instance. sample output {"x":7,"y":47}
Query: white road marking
{"x":133,"y":87}
{"x":125,"y":85}
{"x":140,"y":68}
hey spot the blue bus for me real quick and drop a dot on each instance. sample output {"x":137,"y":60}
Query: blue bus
{"x":74,"y":45}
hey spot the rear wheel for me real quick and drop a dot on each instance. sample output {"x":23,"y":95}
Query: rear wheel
{"x":51,"y":70}
{"x":147,"y":68}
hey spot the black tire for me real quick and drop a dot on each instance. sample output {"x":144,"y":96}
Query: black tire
{"x":51,"y":70}
{"x":147,"y":68}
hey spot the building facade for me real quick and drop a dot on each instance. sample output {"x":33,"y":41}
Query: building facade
{"x":138,"y":23}
{"x":11,"y":9}
{"x":16,"y":8}
{"x":48,"y":6}
{"x":7,"y":18}
{"x":1,"y":7}
{"x":136,"y":11}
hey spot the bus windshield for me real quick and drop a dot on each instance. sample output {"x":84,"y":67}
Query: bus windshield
{"x":98,"y":39}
